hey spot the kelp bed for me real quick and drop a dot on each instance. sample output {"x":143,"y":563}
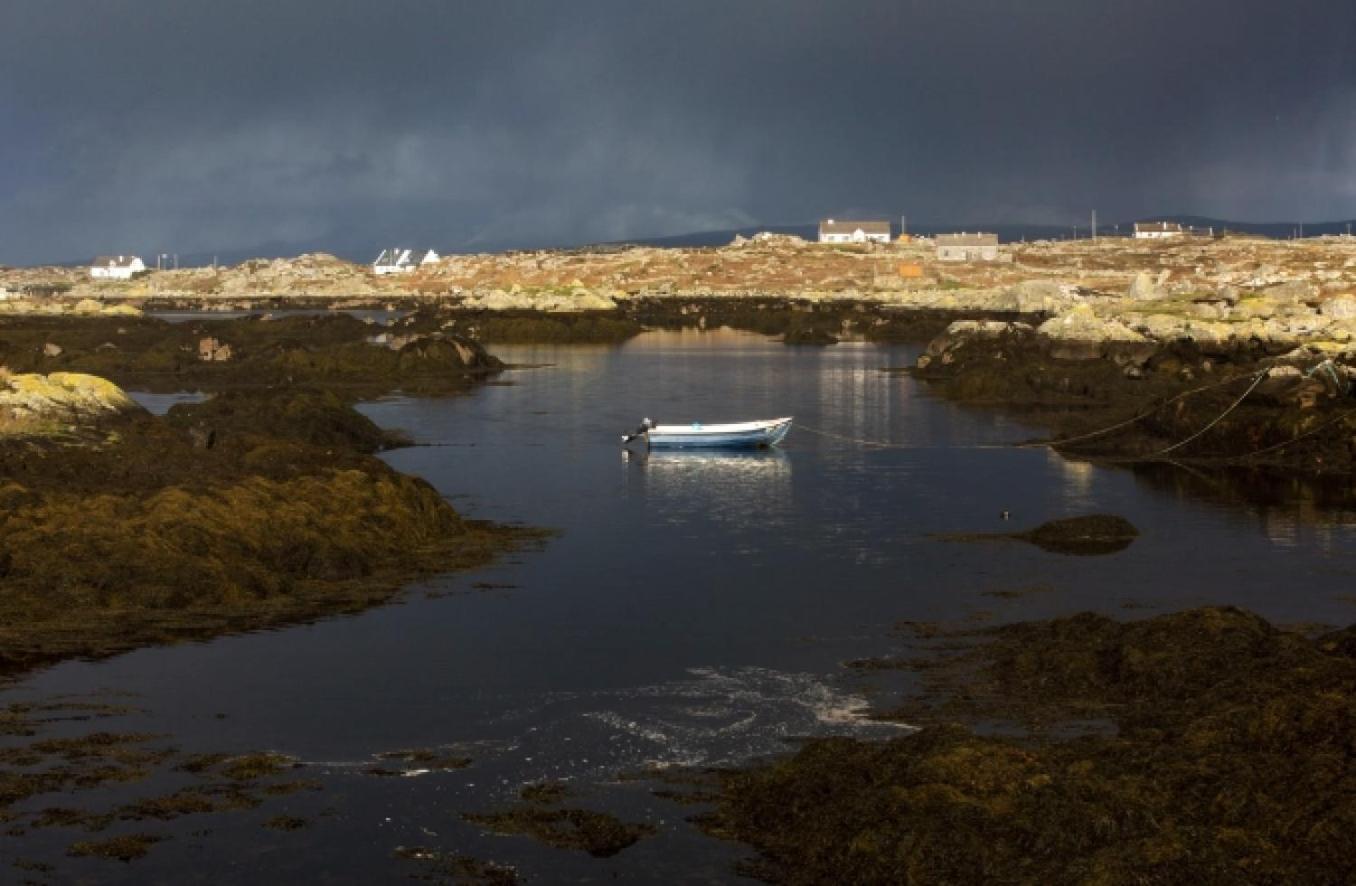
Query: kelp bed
{"x":55,"y":752}
{"x":1205,"y":746}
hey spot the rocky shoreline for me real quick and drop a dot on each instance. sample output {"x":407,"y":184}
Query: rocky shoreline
{"x":263,"y":505}
{"x":1092,"y":333}
{"x":1205,"y":745}
{"x":1071,"y":750}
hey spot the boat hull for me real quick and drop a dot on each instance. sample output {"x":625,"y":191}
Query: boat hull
{"x":749,"y":435}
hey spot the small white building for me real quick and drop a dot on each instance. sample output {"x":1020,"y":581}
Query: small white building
{"x":116,"y":267}
{"x":967,"y":247}
{"x":831,"y":231}
{"x":1158,"y":230}
{"x":402,"y":261}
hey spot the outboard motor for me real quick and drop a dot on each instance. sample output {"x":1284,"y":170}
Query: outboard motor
{"x":638,"y":432}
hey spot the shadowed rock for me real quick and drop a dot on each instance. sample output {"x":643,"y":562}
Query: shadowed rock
{"x":1088,"y":535}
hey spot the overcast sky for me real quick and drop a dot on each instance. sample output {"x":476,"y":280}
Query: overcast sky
{"x":196,"y":126}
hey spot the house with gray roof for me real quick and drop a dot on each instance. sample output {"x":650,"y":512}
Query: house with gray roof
{"x":1158,"y":230}
{"x":967,"y":247}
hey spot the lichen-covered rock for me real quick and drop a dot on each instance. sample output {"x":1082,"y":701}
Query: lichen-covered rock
{"x":34,"y":403}
{"x":1039,"y":297}
{"x":1144,"y":287}
{"x":584,"y":300}
{"x":1292,"y":291}
{"x":1079,"y":334}
{"x":1342,"y":307}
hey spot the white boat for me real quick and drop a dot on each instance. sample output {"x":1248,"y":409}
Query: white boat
{"x":740,"y":435}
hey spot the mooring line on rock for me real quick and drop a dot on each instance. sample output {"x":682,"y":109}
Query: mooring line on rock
{"x":1180,"y":443}
{"x":1298,"y":437}
{"x":1063,"y":441}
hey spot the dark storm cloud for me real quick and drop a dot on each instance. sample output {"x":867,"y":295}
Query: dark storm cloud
{"x":166,"y":125}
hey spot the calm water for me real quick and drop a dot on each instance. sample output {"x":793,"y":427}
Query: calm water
{"x":694,"y":609}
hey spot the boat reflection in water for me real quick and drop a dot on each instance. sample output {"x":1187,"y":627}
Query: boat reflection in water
{"x":743,"y":488}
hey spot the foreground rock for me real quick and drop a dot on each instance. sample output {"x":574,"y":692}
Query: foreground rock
{"x":257,"y":509}
{"x":1089,"y":535}
{"x":1226,"y":757}
{"x":44,"y":404}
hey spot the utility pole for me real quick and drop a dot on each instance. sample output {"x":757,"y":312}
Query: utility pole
{"x":1094,"y":224}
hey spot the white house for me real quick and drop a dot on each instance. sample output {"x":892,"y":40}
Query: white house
{"x":1157,"y":230}
{"x":402,"y":261}
{"x":967,"y":247}
{"x":831,"y":231}
{"x":116,"y":267}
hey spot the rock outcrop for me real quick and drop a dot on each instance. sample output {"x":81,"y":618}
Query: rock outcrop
{"x":1079,"y":334}
{"x":31,"y":403}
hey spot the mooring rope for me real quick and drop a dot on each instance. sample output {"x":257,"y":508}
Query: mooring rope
{"x":1180,"y":443}
{"x":1042,"y":444}
{"x":859,"y":441}
{"x":1063,"y":441}
{"x":1298,"y":437}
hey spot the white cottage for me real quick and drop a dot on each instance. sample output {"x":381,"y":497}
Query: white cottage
{"x":832,"y":231}
{"x":116,"y":267}
{"x":402,"y":261}
{"x":1158,"y":230}
{"x":967,"y":247}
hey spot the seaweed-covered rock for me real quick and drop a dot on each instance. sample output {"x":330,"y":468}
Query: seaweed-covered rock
{"x":1091,"y":534}
{"x":272,"y":512}
{"x":1228,"y":760}
{"x":214,"y":354}
{"x":597,"y":833}
{"x":809,"y":335}
{"x":317,"y":417}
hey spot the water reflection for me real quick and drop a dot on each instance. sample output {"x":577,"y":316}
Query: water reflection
{"x":1292,"y":509}
{"x":737,"y":488}
{"x":161,"y":403}
{"x":1078,"y":478}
